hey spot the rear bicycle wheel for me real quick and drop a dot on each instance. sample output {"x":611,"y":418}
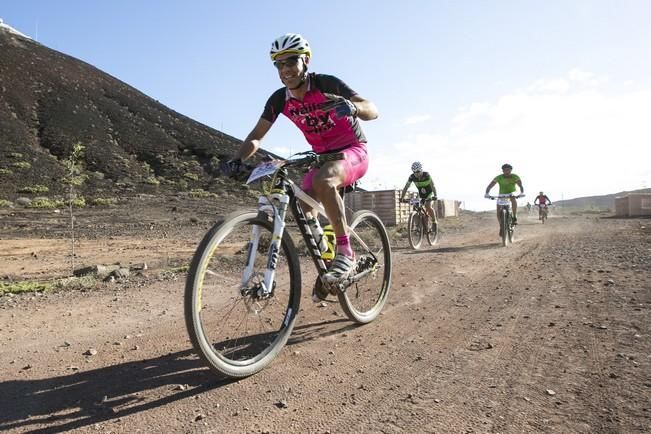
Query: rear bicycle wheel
{"x":432,"y":236}
{"x":233,"y":329}
{"x":415,"y":230}
{"x":363,"y":300}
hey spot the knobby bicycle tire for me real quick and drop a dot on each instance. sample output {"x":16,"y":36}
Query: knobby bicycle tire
{"x":505,"y":227}
{"x":415,"y":230}
{"x":432,"y":237}
{"x":509,"y":225}
{"x":214,"y":278}
{"x":363,"y":301}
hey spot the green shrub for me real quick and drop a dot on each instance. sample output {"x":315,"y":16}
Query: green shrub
{"x":102,"y":201}
{"x":214,"y":163}
{"x":200,"y":193}
{"x":255,"y":193}
{"x":6,"y":172}
{"x":191,"y":176}
{"x":183,"y":184}
{"x":26,"y":286}
{"x":16,"y":155}
{"x":179,"y":269}
{"x":22,"y":165}
{"x":4,"y":203}
{"x":34,"y":189}
{"x":76,"y":283}
{"x":45,"y":203}
{"x":75,"y":180}
{"x":78,"y":202}
{"x":152,"y":181}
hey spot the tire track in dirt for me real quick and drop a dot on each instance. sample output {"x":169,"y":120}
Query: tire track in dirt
{"x":420,"y":367}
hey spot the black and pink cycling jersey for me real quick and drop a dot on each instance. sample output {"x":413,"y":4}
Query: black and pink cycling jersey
{"x":322,"y":129}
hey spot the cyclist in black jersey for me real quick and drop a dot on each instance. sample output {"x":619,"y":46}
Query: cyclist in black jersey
{"x":426,"y":191}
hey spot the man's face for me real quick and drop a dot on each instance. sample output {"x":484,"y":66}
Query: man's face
{"x":418,"y":173}
{"x":507,"y":171}
{"x":290,"y":69}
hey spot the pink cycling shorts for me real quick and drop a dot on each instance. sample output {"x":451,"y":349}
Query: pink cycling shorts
{"x":355,"y":166}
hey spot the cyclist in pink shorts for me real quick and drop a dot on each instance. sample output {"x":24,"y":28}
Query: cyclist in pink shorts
{"x":327,"y":111}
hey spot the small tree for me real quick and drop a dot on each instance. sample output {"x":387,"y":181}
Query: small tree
{"x":74,"y":179}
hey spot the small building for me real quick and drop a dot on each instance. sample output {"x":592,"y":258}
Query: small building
{"x":633,"y":205}
{"x":386,"y":204}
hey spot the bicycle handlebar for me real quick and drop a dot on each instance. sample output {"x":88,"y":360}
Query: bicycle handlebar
{"x":506,"y":195}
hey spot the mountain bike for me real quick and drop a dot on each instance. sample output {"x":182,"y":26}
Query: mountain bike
{"x":506,"y":216}
{"x":243,"y":288}
{"x":543,"y":212}
{"x":417,"y":225}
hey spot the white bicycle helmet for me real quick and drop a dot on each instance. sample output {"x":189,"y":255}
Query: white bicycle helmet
{"x":416,"y":167}
{"x":290,"y":43}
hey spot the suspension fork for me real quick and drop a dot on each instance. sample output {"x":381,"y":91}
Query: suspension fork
{"x":278,"y":212}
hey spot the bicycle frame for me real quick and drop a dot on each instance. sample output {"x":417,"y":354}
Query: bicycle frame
{"x":285,"y":194}
{"x":417,"y":205}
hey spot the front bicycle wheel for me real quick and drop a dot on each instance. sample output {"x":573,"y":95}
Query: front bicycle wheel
{"x":415,"y":229}
{"x":504,"y":230}
{"x":509,"y":227}
{"x":234,"y":327}
{"x":363,"y":300}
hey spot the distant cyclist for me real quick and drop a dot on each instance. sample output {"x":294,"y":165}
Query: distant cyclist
{"x":327,"y":112}
{"x":507,"y":182}
{"x":426,"y":190}
{"x":543,"y":202}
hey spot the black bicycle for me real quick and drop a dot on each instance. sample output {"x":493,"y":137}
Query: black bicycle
{"x":507,"y":228}
{"x":417,"y":225}
{"x":244,"y":283}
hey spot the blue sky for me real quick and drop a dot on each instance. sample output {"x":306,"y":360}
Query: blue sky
{"x":560,"y":89}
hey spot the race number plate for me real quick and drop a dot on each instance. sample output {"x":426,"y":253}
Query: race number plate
{"x":264,"y":169}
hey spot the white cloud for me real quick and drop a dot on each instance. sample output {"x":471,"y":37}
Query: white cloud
{"x":569,"y":136}
{"x":412,"y":120}
{"x":559,"y":85}
{"x":585,"y":77}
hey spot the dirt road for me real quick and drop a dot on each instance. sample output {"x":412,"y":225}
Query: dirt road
{"x":551,"y":334}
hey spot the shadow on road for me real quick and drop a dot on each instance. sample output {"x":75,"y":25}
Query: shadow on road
{"x":309,"y":332}
{"x":85,"y":398}
{"x":454,"y":249}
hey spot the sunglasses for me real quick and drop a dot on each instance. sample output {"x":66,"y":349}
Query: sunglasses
{"x":289,"y":62}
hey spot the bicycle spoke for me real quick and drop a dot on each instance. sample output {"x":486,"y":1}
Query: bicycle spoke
{"x":243,"y":326}
{"x":364,"y":299}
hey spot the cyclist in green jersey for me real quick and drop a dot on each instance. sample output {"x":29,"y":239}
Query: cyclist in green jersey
{"x":426,"y":190}
{"x":507,"y":182}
